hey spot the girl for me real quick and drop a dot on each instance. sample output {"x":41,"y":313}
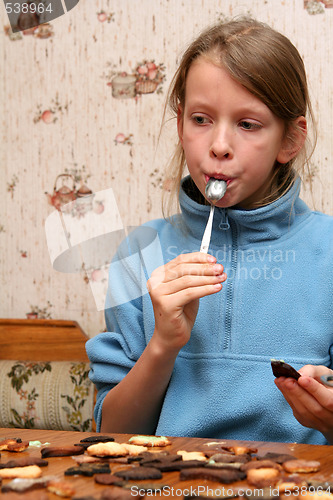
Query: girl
{"x":192,"y":356}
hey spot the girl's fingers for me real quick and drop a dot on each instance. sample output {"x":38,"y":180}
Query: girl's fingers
{"x":315,"y":371}
{"x":196,"y":260}
{"x":185,"y":265}
{"x":187,"y":282}
{"x":183,"y":297}
{"x":307,"y":392}
{"x":311,"y":404}
{"x":198,"y":257}
{"x":321,"y":393}
{"x":180,"y":270}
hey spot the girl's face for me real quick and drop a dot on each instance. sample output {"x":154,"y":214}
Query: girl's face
{"x":228,"y":133}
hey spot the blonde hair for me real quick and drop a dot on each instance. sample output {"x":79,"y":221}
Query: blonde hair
{"x":269,"y":66}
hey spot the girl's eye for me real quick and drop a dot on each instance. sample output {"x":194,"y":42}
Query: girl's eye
{"x":249,"y":125}
{"x":199,"y":120}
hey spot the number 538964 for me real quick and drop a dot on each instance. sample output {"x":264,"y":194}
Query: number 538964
{"x":24,"y":8}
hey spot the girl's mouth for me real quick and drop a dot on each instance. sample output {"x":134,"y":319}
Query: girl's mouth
{"x":218,"y":177}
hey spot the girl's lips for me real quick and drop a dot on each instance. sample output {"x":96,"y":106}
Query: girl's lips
{"x":219,"y":177}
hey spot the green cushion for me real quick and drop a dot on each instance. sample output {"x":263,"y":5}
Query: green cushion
{"x":54,"y":395}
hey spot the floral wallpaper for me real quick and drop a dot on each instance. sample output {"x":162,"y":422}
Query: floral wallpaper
{"x":82,"y":100}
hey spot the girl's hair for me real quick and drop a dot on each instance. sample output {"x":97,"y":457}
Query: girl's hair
{"x":269,"y":66}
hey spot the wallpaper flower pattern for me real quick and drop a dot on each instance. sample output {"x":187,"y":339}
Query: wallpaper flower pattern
{"x":81,"y":104}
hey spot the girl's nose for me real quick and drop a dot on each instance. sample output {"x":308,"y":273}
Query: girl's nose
{"x":221,"y":145}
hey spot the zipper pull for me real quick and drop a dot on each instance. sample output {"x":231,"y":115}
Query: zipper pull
{"x":224,"y":223}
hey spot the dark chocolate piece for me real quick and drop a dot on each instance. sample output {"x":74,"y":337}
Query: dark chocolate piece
{"x":226,"y":458}
{"x":221,"y":475}
{"x":88,"y":469}
{"x":97,"y":439}
{"x":277,"y":457}
{"x":108,"y":479}
{"x":282,"y":369}
{"x":139,"y":473}
{"x":167,"y":466}
{"x":22,"y":485}
{"x":149,"y":457}
{"x":23,"y":462}
{"x":221,"y":465}
{"x":61,"y":451}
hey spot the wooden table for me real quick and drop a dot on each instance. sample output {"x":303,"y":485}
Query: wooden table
{"x":175,"y":487}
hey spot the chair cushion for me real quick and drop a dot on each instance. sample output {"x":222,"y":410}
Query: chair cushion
{"x":54,"y":395}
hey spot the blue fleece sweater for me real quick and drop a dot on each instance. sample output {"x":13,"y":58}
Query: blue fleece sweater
{"x":276,"y":303}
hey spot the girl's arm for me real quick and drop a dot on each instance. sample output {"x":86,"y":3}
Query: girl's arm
{"x":134,"y":404}
{"x":310,"y":400}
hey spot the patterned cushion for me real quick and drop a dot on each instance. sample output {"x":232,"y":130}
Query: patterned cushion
{"x":54,"y":395}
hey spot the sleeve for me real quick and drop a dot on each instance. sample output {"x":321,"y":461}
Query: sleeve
{"x":113,"y":353}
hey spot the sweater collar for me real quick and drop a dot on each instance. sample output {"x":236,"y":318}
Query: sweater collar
{"x":258,"y":225}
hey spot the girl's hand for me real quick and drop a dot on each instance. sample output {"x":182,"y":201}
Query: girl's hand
{"x":310,"y":400}
{"x":175,"y":290}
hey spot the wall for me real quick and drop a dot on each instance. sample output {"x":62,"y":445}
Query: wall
{"x":58,"y":116}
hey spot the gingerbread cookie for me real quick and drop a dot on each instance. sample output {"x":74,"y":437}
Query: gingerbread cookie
{"x":240,"y":450}
{"x":149,"y":441}
{"x":261,"y":464}
{"x":28,"y":472}
{"x":299,"y":465}
{"x":192,"y":455}
{"x":107,"y":450}
{"x":61,"y":488}
{"x":13,"y":444}
{"x":263,"y":477}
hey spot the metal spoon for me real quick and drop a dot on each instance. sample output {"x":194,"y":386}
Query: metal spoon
{"x":215,"y":190}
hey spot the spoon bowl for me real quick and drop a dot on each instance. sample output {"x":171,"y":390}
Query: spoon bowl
{"x":215,"y":189}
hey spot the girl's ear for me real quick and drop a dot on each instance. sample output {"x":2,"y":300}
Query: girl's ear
{"x":180,"y":123}
{"x":293,"y":141}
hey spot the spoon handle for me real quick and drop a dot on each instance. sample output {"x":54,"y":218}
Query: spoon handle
{"x":208,"y":232}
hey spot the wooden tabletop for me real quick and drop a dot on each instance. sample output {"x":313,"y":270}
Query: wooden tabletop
{"x":174,"y":487}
